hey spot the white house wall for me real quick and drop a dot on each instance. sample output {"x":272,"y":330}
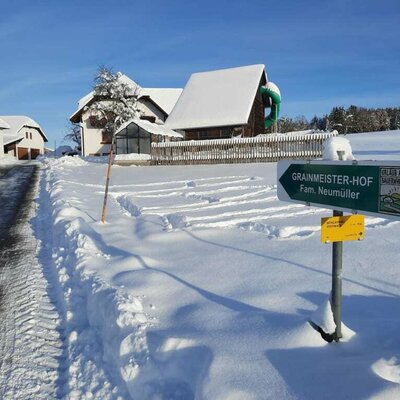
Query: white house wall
{"x":92,"y":138}
{"x":36,"y":142}
{"x":150,"y":110}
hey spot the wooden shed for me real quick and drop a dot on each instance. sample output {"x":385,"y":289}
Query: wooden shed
{"x":221,"y":104}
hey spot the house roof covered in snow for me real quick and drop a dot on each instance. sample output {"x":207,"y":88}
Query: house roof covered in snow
{"x":164,"y":98}
{"x":16,"y":123}
{"x":217,"y":98}
{"x":149,"y":127}
{"x":4,"y":125}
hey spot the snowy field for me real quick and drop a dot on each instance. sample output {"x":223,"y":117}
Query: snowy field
{"x":201,"y":285}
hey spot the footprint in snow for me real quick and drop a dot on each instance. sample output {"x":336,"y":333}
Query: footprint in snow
{"x":388,"y":369}
{"x":191,"y":184}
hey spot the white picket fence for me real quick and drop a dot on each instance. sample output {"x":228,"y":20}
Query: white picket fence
{"x":266,"y":148}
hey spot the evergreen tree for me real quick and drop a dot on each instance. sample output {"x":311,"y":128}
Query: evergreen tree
{"x":396,"y":120}
{"x":337,"y":119}
{"x":314,"y":123}
{"x":286,"y":124}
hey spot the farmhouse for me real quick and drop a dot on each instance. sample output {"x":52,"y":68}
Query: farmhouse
{"x":155,"y":104}
{"x":23,"y":139}
{"x":221,"y":104}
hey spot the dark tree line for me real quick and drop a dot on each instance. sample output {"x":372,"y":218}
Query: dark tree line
{"x":351,"y":120}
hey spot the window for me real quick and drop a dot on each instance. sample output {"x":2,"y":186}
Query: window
{"x":148,"y":118}
{"x":106,"y":137}
{"x":26,"y":135}
{"x":30,"y":135}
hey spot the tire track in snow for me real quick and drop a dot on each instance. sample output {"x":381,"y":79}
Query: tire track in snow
{"x":32,"y":350}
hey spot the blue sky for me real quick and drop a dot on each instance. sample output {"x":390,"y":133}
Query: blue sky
{"x":320,"y":53}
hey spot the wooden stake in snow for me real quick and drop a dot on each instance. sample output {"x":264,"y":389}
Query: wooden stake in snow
{"x":110,"y":156}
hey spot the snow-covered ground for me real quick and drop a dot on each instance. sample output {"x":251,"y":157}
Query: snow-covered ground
{"x":201,"y":285}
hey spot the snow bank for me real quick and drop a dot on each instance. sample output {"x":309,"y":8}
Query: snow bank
{"x":8,"y":160}
{"x":106,"y":331}
{"x":65,"y":161}
{"x":132,"y":156}
{"x":332,"y":146}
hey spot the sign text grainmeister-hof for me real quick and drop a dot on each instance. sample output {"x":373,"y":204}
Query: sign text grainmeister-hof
{"x":339,"y":185}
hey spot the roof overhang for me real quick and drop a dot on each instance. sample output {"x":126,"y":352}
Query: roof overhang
{"x":76,"y":116}
{"x":150,"y":128}
{"x":10,"y":139}
{"x":150,"y":100}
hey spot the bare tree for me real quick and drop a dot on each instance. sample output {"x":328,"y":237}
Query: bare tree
{"x":74,"y":135}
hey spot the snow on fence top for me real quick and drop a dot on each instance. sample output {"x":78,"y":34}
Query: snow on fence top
{"x":258,"y":139}
{"x":255,"y":149}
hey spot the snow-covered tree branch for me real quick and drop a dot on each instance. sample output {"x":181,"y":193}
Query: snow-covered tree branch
{"x":115,"y":101}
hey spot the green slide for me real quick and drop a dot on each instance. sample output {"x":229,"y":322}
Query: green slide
{"x":272,"y":91}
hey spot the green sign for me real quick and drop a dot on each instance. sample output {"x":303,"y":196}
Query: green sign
{"x":355,"y":187}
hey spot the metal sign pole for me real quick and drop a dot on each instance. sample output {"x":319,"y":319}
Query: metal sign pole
{"x":337,"y":262}
{"x":336,"y":301}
